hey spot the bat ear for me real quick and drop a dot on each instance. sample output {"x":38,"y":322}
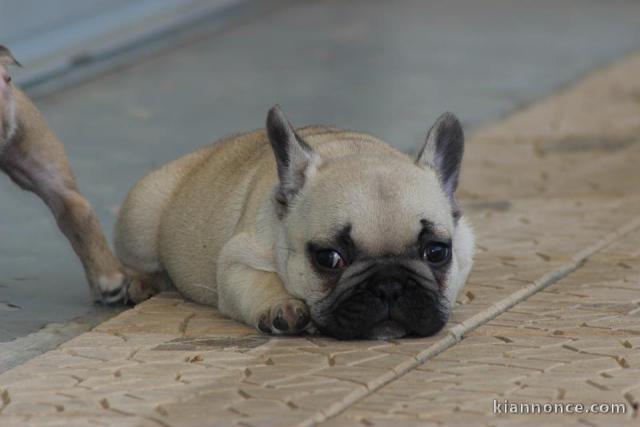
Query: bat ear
{"x":442,"y":151}
{"x":7,"y":58}
{"x":295,"y":159}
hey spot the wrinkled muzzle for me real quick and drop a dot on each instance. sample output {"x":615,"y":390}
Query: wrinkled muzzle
{"x":391,"y":301}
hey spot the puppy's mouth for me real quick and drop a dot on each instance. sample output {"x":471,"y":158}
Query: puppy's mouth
{"x":386,"y":330}
{"x":384,"y":306}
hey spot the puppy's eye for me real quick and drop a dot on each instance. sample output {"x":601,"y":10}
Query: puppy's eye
{"x":328,"y":258}
{"x":436,"y":253}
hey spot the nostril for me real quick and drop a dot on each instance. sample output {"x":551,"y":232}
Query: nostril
{"x":388,"y":290}
{"x":6,"y":78}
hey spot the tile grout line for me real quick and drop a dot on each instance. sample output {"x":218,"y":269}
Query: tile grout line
{"x":457,"y":333}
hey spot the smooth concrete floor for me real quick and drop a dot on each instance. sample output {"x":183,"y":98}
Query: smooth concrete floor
{"x":388,"y":68}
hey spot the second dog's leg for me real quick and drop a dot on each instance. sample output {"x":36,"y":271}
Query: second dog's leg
{"x":35,"y":160}
{"x":79,"y":223}
{"x":53,"y":181}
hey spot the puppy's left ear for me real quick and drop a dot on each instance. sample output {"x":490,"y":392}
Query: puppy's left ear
{"x":6,"y":57}
{"x":443,"y":152}
{"x":295,"y":159}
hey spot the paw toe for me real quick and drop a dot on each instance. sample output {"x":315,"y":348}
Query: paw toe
{"x":280,"y":323}
{"x":263,"y":324}
{"x":303,"y":319}
{"x":289,"y":317}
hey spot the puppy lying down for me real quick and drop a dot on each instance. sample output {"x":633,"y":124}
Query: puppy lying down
{"x":284,"y":229}
{"x":312,"y":228}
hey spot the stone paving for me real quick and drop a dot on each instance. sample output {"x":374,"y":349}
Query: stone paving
{"x":557,"y":215}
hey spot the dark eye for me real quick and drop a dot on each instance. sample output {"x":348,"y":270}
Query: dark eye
{"x":328,"y":258}
{"x":436,"y":253}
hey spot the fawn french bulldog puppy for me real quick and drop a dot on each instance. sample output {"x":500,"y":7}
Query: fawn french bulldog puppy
{"x":35,"y":159}
{"x":288,"y":229}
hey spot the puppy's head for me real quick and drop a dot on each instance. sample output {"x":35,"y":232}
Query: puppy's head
{"x":369,"y":239}
{"x":7,"y":102}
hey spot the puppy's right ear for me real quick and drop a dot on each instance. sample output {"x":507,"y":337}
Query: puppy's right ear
{"x":295,"y":159}
{"x":6,"y":57}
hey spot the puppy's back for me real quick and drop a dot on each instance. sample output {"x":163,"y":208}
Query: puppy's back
{"x":137,"y":228}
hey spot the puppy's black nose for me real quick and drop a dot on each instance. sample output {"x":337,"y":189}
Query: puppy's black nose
{"x":387,"y":290}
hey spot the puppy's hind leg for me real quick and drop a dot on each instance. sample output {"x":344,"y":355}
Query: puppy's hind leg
{"x":137,"y":230}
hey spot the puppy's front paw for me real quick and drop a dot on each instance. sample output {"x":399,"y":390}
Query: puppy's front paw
{"x":287,"y":317}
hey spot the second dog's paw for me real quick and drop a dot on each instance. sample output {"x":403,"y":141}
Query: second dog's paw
{"x":287,"y":317}
{"x":111,"y":289}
